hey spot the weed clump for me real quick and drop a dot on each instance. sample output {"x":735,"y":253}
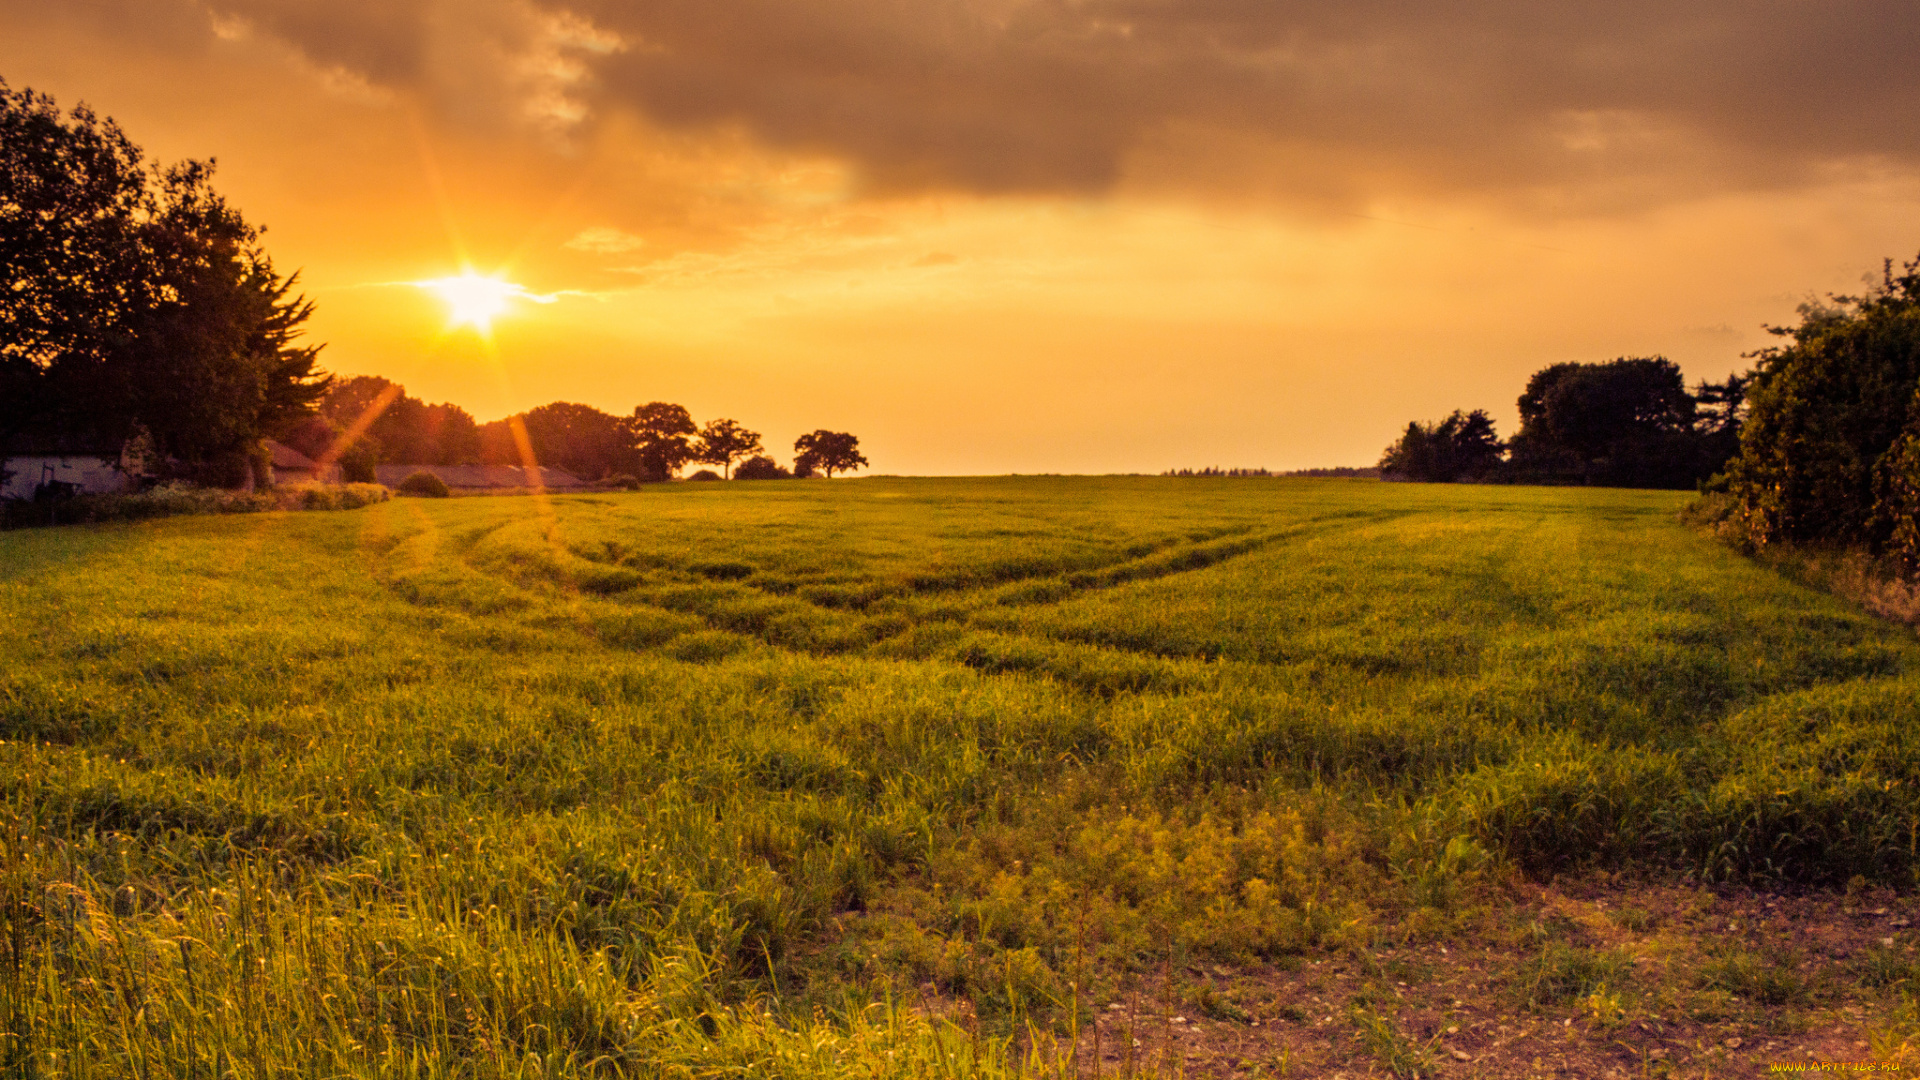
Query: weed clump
{"x":1561,"y":973}
{"x":1769,"y":979}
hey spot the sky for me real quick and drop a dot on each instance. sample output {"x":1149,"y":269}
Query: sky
{"x":993,"y":236}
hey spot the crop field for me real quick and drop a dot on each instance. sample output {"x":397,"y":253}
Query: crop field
{"x":926,"y":778}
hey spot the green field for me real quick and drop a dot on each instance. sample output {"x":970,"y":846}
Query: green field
{"x":676,"y":782}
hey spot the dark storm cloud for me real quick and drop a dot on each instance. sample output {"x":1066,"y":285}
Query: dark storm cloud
{"x":1062,"y":95}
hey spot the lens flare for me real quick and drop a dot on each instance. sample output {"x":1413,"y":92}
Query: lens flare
{"x":475,"y":300}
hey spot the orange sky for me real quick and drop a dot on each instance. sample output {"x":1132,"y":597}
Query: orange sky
{"x":996,"y":236}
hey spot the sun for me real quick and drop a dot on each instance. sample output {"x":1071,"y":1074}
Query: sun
{"x":475,"y":300}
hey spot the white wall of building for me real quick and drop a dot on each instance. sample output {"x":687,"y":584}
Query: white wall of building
{"x":91,"y":475}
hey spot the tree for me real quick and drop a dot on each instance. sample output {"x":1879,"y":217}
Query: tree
{"x":579,"y":438}
{"x":139,"y":302}
{"x":389,"y":426}
{"x":72,"y":190}
{"x":660,"y":434}
{"x":827,"y":451}
{"x":1720,"y":413}
{"x":1461,"y":447}
{"x":760,"y":467}
{"x":1625,"y":423}
{"x":721,"y":442}
{"x":1825,"y":454}
{"x":210,"y":364}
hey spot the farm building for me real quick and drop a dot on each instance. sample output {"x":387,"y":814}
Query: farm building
{"x":73,"y":464}
{"x":290,"y":466}
{"x":89,"y":474}
{"x":478,"y":478}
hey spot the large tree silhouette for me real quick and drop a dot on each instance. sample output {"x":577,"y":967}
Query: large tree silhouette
{"x":1625,"y":423}
{"x":137,"y":300}
{"x":828,"y":451}
{"x":722,"y":442}
{"x":1461,"y":447}
{"x":662,"y":437}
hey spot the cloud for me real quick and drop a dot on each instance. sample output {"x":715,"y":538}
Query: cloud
{"x":604,"y":240}
{"x":1618,"y":103}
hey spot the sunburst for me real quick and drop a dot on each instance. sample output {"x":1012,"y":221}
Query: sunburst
{"x":475,"y":299}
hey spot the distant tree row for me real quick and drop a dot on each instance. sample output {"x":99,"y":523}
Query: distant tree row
{"x":138,"y":309}
{"x":367,"y":420}
{"x":1629,"y":422}
{"x":1818,"y":444}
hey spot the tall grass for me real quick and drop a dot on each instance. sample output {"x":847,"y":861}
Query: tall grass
{"x":760,"y":779}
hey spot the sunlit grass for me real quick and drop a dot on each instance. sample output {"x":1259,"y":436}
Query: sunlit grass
{"x":682,"y":781}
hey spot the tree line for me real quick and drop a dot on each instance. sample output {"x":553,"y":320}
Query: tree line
{"x":139,"y":309}
{"x":366,"y":421}
{"x":1630,"y":422}
{"x":1818,"y":443}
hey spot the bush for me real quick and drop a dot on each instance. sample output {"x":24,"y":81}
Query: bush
{"x":176,"y":500}
{"x":424,"y":484}
{"x":1897,"y":487}
{"x":705,"y":474}
{"x":623,"y":481}
{"x":1826,"y":455}
{"x":760,"y":467}
{"x":336,"y":497}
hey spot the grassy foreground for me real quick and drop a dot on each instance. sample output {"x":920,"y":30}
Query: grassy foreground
{"x":683,"y":782}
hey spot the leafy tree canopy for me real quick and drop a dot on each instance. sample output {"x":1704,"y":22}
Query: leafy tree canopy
{"x":391,"y":426}
{"x":138,"y":300}
{"x":1461,"y":447}
{"x":661,"y":434}
{"x":72,"y":189}
{"x":828,"y":452}
{"x":578,"y":438}
{"x":1831,"y":448}
{"x":724,"y":441}
{"x":760,"y":467}
{"x":1624,"y":423}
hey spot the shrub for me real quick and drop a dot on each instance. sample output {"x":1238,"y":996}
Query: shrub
{"x":705,"y":474}
{"x":425,"y":484}
{"x":623,"y":481}
{"x":336,"y":497}
{"x":1823,"y":456}
{"x":1898,"y":490}
{"x":175,"y":500}
{"x":760,"y":467}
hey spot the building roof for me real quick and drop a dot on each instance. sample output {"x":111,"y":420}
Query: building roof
{"x":286,"y":457}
